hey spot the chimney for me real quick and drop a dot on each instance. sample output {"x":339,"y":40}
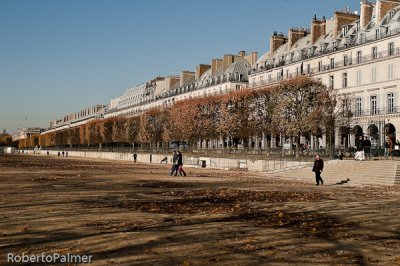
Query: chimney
{"x":227,"y":61}
{"x":252,"y":58}
{"x":383,"y":7}
{"x":185,"y":76}
{"x":276,"y":41}
{"x":216,"y":64}
{"x":242,"y":54}
{"x":200,"y":69}
{"x":366,"y":14}
{"x":295,"y":35}
{"x":341,"y":19}
{"x":318,"y":29}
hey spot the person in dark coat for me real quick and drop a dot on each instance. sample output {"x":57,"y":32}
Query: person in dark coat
{"x":180,"y":164}
{"x":175,"y":166}
{"x":367,"y":148}
{"x":317,"y":168}
{"x":360,"y":144}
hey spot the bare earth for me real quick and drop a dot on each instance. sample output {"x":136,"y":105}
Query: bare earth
{"x":125,"y":214}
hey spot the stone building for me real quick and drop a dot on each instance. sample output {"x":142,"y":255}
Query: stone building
{"x":357,"y":55}
{"x":221,"y":76}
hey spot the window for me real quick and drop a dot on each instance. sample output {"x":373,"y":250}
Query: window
{"x":358,"y":77}
{"x":358,"y":107}
{"x":345,"y":60}
{"x":377,"y":34}
{"x":362,"y":37}
{"x":390,"y":103}
{"x":374,"y":102}
{"x":344,"y":30}
{"x":331,"y":82}
{"x":373,"y":75}
{"x":297,"y":71}
{"x":308,"y":68}
{"x":391,"y":48}
{"x":319,"y":66}
{"x":374,"y":52}
{"x":359,"y":57}
{"x":390,"y":71}
{"x":344,"y":80}
{"x":303,"y":53}
{"x":332,"y":63}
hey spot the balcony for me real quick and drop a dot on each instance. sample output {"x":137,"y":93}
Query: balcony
{"x":337,"y":66}
{"x":377,"y":111}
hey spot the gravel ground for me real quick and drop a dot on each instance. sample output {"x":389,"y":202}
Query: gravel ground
{"x":135,"y":214}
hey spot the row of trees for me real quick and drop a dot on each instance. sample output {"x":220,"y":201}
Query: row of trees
{"x":296,"y":107}
{"x":5,"y":140}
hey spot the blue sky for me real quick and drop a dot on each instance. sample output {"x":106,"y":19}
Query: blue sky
{"x":60,"y":56}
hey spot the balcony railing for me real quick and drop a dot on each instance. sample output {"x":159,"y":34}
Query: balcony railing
{"x":377,"y":111}
{"x":337,"y":66}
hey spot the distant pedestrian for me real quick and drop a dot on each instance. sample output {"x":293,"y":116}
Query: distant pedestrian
{"x":387,"y":148}
{"x":360,"y":155}
{"x":134,"y":157}
{"x":317,"y":168}
{"x":180,"y":164}
{"x":175,"y":166}
{"x":63,"y":154}
{"x":391,"y":146}
{"x":367,"y":148}
{"x":66,"y":154}
{"x":48,"y":153}
{"x":59,"y":154}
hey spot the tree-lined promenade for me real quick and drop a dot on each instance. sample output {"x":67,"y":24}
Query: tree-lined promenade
{"x":297,"y":107}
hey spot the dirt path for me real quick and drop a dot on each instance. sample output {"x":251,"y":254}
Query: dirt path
{"x":126,"y":214}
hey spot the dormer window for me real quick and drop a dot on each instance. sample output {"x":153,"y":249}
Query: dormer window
{"x":391,"y":13}
{"x":322,"y":47}
{"x":377,"y":34}
{"x":303,"y":53}
{"x":345,"y":29}
{"x":358,"y":25}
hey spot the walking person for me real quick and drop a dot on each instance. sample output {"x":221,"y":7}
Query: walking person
{"x":180,"y":164}
{"x":367,"y":148}
{"x":387,"y":148}
{"x":359,"y":155}
{"x":317,"y":168}
{"x":175,"y":166}
{"x":391,"y":146}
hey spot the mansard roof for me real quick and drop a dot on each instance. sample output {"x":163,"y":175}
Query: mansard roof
{"x":241,"y":67}
{"x":352,"y":35}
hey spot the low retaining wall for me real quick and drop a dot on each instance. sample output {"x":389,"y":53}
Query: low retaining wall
{"x":201,"y":162}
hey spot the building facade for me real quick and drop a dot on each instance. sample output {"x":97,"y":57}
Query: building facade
{"x":221,"y":76}
{"x":357,"y":55}
{"x":78,"y":118}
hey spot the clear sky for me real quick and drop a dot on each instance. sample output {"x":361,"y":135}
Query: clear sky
{"x":60,"y":56}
